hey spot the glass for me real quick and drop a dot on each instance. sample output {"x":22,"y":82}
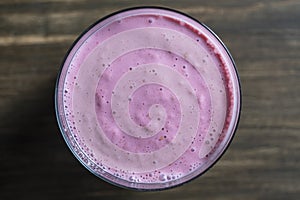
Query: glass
{"x":148,"y":98}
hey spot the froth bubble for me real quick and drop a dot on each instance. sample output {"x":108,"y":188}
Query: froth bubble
{"x":162,"y":177}
{"x":150,"y":20}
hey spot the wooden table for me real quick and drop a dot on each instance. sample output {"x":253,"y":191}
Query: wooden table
{"x":263,"y":161}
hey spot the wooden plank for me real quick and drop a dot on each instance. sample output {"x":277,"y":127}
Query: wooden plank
{"x":263,"y":160}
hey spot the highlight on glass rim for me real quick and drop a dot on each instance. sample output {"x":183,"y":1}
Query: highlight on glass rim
{"x":148,"y":98}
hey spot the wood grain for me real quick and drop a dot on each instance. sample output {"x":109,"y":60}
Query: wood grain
{"x":263,"y":160}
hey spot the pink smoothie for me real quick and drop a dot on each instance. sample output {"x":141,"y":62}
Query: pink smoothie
{"x":148,"y":98}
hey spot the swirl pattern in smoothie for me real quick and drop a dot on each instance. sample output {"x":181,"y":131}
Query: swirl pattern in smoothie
{"x":149,"y":97}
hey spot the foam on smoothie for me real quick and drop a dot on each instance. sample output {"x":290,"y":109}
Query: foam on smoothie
{"x":149,"y":97}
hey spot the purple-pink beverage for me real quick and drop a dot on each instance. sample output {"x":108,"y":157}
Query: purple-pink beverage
{"x":148,"y":98}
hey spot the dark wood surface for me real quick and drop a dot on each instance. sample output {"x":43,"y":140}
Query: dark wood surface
{"x":263,"y":161}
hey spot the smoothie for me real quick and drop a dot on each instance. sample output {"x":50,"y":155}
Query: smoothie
{"x":148,"y":98}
